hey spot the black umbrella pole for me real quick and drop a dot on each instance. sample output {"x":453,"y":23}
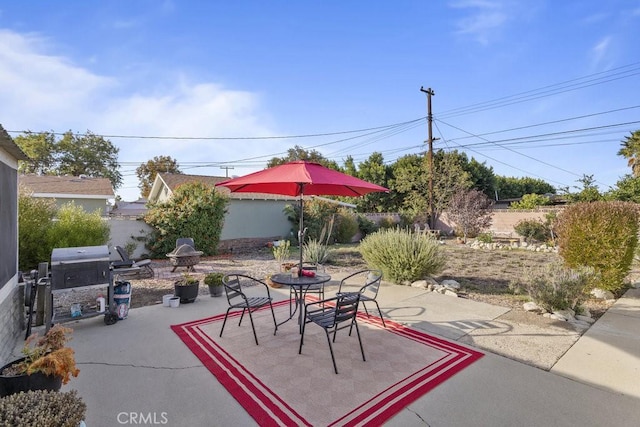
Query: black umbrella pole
{"x":301,"y":234}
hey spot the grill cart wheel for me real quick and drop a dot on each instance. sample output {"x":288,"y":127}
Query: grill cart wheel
{"x":110,"y":318}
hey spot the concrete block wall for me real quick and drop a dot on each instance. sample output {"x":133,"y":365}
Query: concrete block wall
{"x":13,"y":323}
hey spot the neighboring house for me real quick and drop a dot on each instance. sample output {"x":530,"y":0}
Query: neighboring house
{"x":11,"y":294}
{"x":251,"y":219}
{"x":90,"y":193}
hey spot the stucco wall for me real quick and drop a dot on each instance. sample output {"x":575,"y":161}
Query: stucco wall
{"x":248,"y":223}
{"x":255,"y":218}
{"x":89,"y":205}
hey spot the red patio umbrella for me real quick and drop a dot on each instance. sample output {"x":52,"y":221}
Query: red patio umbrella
{"x":301,"y":178}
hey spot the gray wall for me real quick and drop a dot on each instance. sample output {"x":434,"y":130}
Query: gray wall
{"x":245,"y":219}
{"x":255,"y":218}
{"x":89,"y":205}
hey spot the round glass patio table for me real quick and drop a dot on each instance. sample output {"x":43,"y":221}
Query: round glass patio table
{"x":300,"y":284}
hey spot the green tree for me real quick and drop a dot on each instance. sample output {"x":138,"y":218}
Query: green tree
{"x":631,"y":151}
{"x":513,"y":188}
{"x":627,"y":189}
{"x":299,"y":153}
{"x":375,"y":171}
{"x":588,"y":192}
{"x":482,"y":177}
{"x":449,"y":178}
{"x":90,"y":155}
{"x":148,"y":171}
{"x":531,"y":201}
{"x":350,"y":167}
{"x":194,"y":210}
{"x":41,"y":149}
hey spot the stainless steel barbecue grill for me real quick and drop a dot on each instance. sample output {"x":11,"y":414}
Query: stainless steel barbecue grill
{"x":84,"y":266}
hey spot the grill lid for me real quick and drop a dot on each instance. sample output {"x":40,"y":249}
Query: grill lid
{"x":79,"y":254}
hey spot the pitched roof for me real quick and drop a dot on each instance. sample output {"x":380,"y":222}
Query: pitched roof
{"x":56,"y":186}
{"x":11,"y":147}
{"x":173,"y":181}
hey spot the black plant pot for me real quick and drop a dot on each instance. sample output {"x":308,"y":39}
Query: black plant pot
{"x":215,"y":290}
{"x":35,"y":381}
{"x":186,"y":293}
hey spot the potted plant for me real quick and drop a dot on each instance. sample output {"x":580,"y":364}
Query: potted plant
{"x":281,"y":251}
{"x":186,"y":288}
{"x":214,"y":281}
{"x":46,"y":365}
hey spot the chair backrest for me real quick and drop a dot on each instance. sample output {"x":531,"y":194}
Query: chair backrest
{"x":372,"y":284}
{"x":233,"y":287}
{"x":346,"y":308}
{"x":185,"y":241}
{"x":123,"y":254}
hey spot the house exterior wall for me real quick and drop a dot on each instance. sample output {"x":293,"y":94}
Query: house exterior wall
{"x":11,"y":303}
{"x":255,"y":218}
{"x":89,"y":205}
{"x":248,"y":223}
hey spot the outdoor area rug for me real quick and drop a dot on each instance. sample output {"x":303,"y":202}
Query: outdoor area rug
{"x":277,"y":386}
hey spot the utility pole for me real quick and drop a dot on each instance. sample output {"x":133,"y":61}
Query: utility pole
{"x":430,"y":93}
{"x":226,"y":170}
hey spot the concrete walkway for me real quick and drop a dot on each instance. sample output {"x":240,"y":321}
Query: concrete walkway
{"x":139,"y":370}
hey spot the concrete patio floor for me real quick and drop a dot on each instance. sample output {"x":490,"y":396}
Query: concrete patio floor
{"x":140,"y":368}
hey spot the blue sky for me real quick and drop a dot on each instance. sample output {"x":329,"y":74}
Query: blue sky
{"x":562,"y":76}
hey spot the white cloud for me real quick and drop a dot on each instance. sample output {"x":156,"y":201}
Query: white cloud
{"x":42,"y":91}
{"x":484,"y":18}
{"x":600,"y":50}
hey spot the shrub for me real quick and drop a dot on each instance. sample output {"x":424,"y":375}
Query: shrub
{"x":316,"y":251}
{"x":402,"y":256}
{"x":387,"y":222}
{"x":602,"y":235}
{"x":42,"y":408}
{"x":532,"y":229}
{"x":346,"y":226}
{"x":485,"y":237}
{"x":38,"y":233}
{"x":366,"y":226}
{"x":194,"y":210}
{"x":558,"y":288}
{"x":75,"y":227}
{"x":35,"y":216}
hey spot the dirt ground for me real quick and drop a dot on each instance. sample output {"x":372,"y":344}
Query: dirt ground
{"x":494,"y":277}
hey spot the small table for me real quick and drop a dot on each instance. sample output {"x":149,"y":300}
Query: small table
{"x":300,"y":286}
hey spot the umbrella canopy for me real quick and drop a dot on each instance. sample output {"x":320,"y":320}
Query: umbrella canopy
{"x":301,"y":178}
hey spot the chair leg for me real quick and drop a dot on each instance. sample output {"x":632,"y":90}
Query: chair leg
{"x":274,"y":319}
{"x":380,"y":313}
{"x":333,"y":359}
{"x":359,"y":340}
{"x":242,"y":316}
{"x":253,"y":327}
{"x":225,"y":321}
{"x":302,"y":336}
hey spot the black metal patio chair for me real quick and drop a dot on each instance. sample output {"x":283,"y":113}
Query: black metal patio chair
{"x":368,"y":292}
{"x":145,"y":271}
{"x":329,"y":314}
{"x":238,"y":300}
